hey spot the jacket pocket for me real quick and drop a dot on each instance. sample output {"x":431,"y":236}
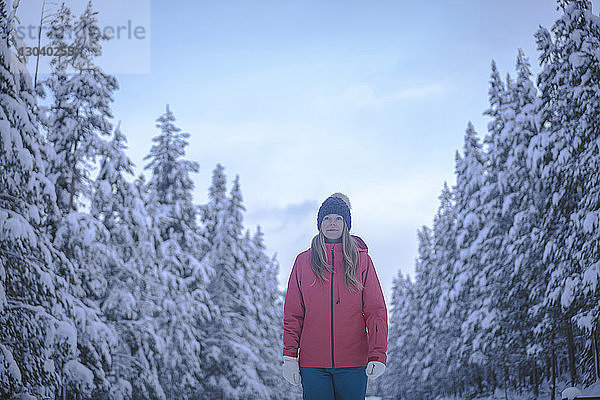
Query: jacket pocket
{"x":378,"y":340}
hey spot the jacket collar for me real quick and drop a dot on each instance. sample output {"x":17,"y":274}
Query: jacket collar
{"x":362,"y":246}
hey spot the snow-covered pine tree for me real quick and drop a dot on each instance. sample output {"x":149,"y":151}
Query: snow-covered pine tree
{"x":444,"y":319}
{"x":30,"y":291}
{"x":129,"y":302}
{"x":467,"y":290}
{"x":171,"y":184}
{"x":81,"y":93}
{"x":586,"y":71}
{"x":232,"y":360}
{"x":111,"y":191}
{"x":575,"y":48}
{"x":427,"y":370}
{"x":428,"y":286}
{"x":402,"y":379}
{"x":527,"y":278}
{"x":210,"y":212}
{"x":38,"y":312}
{"x":490,"y":319}
{"x":214,"y":357}
{"x":170,"y":189}
{"x":566,"y":156}
{"x":59,"y":114}
{"x":520,"y":271}
{"x":268,"y":314}
{"x":184,"y":302}
{"x":60,"y":36}
{"x":76,"y":121}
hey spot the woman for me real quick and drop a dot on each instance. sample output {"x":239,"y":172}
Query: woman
{"x":333,"y":295}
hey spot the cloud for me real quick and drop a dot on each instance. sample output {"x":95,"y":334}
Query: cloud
{"x":288,"y":230}
{"x":365,"y":96}
{"x":280,"y":219}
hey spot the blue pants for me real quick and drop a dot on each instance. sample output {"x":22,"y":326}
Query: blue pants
{"x":347,"y":383}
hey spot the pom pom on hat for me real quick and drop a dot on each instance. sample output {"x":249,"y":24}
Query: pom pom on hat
{"x":337,"y":203}
{"x":343,"y":197}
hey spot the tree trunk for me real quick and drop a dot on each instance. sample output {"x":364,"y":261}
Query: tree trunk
{"x":37,"y":61}
{"x":547,"y":364}
{"x":596,"y":351}
{"x":505,"y":382}
{"x":553,"y":372}
{"x":571,"y":347}
{"x":521,"y":378}
{"x":492,"y":377}
{"x":72,"y":193}
{"x":536,"y":389}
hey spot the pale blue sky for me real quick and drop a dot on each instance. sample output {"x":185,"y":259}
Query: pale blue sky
{"x":306,"y":98}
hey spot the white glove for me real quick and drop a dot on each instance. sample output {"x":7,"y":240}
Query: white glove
{"x":375,"y":368}
{"x":291,"y":371}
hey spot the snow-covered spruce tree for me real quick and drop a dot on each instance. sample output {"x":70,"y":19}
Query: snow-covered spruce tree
{"x":517,"y":271}
{"x":464,"y":301}
{"x":527,"y":271}
{"x":112,"y":193}
{"x":184,"y":302}
{"x":267,"y":316}
{"x":60,"y":36}
{"x":76,"y":122}
{"x":170,"y":200}
{"x":38,"y":313}
{"x":576,"y":46}
{"x":129,"y":302}
{"x":217,"y":194}
{"x":232,"y":361}
{"x":428,"y":366}
{"x":566,"y":156}
{"x":58,"y":116}
{"x":402,"y":379}
{"x":488,"y":325}
{"x":390,"y":380}
{"x":171,"y":184}
{"x":587,"y":215}
{"x":428,"y":286}
{"x":81,"y":93}
{"x":29,"y":290}
{"x":449,"y":307}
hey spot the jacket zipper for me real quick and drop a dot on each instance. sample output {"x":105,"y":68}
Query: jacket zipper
{"x":332,"y":263}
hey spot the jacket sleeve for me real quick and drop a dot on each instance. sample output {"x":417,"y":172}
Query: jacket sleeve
{"x":375,"y":313}
{"x":293,"y":314}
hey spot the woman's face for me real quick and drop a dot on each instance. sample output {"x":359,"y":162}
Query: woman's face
{"x":332,"y":226}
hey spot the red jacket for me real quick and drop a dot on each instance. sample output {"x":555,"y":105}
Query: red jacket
{"x":328,"y":323}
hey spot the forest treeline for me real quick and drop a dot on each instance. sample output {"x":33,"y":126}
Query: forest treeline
{"x":113,"y":287}
{"x":505,"y":293}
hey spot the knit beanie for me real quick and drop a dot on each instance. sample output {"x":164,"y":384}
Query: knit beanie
{"x":337,"y":203}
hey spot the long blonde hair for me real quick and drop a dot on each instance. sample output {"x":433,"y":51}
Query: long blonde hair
{"x":318,"y":259}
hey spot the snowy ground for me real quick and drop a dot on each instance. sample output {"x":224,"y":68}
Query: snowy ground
{"x":593,"y":390}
